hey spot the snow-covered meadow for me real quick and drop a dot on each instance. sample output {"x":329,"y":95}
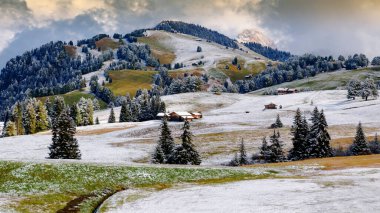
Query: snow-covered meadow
{"x":227,"y":119}
{"x":351,"y":190}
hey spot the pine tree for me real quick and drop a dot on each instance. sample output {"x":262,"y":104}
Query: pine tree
{"x":265,"y":150}
{"x":186,"y":152}
{"x":57,"y":107}
{"x":97,"y":120}
{"x":312,"y":144}
{"x":29,"y":119}
{"x":9,"y":129}
{"x":17,"y":118}
{"x":276,"y":149}
{"x":158,"y":155}
{"x":123,"y":113}
{"x":42,"y":121}
{"x":166,"y":140}
{"x":324,"y":137}
{"x":359,"y":145}
{"x":64,"y":145}
{"x":299,"y":131}
{"x":374,"y":145}
{"x":243,"y":159}
{"x":75,"y":115}
{"x":111,"y":118}
{"x":234,"y":161}
{"x":278,"y":122}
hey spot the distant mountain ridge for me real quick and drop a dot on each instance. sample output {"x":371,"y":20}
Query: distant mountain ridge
{"x":255,"y":36}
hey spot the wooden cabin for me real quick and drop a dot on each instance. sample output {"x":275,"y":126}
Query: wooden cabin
{"x":196,"y":115}
{"x":271,"y":106}
{"x":180,"y":116}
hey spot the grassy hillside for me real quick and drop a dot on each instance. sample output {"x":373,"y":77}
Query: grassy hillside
{"x":129,"y":81}
{"x":34,"y":187}
{"x":75,"y":96}
{"x":234,"y":73}
{"x":159,"y":51}
{"x":332,"y":80}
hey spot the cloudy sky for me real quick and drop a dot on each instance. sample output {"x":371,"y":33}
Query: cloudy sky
{"x":300,"y":26}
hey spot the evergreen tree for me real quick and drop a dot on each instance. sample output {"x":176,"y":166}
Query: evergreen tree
{"x":42,"y":121}
{"x":243,"y":160}
{"x":158,"y":155}
{"x":29,"y":119}
{"x":97,"y":120}
{"x":276,"y":149}
{"x":9,"y":129}
{"x":111,"y":118}
{"x":265,"y":150}
{"x":166,"y":140}
{"x":123,"y":112}
{"x":312,"y":144}
{"x":75,"y":115}
{"x":57,"y":107}
{"x":278,"y":122}
{"x":185,"y":153}
{"x":299,"y":131}
{"x":374,"y":145}
{"x":360,"y":145}
{"x":234,"y":161}
{"x":64,"y":145}
{"x":17,"y":118}
{"x":319,"y":138}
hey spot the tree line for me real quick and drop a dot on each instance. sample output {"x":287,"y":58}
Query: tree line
{"x":32,"y":115}
{"x":309,"y":140}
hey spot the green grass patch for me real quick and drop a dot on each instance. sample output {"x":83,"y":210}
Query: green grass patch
{"x":44,"y":187}
{"x":129,"y":81}
{"x":246,"y":69}
{"x":74,"y":97}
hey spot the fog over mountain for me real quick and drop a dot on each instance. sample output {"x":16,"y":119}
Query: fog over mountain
{"x":322,"y":27}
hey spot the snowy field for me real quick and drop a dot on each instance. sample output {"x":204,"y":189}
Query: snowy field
{"x":185,"y":46}
{"x":217,"y":135}
{"x":351,"y":190}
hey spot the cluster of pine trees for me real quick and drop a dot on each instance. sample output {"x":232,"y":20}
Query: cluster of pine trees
{"x":309,"y":141}
{"x":33,"y":116}
{"x":170,"y":85}
{"x":296,"y":67}
{"x":27,"y":117}
{"x":274,"y":54}
{"x":364,"y":89}
{"x":143,"y":107}
{"x":167,"y":152}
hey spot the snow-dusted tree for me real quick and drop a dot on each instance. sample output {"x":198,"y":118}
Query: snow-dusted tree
{"x":234,"y":161}
{"x":158,"y":156}
{"x":374,"y":145}
{"x":353,"y":88}
{"x":276,"y":149}
{"x":299,"y":132}
{"x":199,"y":49}
{"x":111,"y":118}
{"x":243,"y":159}
{"x":278,"y":122}
{"x":319,"y":138}
{"x":9,"y":129}
{"x":369,"y":88}
{"x":376,"y":61}
{"x":97,"y":120}
{"x":360,"y":145}
{"x":186,"y":152}
{"x":76,"y":115}
{"x":42,"y":121}
{"x":17,"y":118}
{"x":124,"y":114}
{"x":29,"y":118}
{"x":166,"y":140}
{"x":65,"y":145}
{"x":57,"y":107}
{"x":96,"y":104}
{"x":264,"y":150}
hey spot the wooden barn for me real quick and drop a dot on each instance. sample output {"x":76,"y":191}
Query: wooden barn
{"x":180,"y":116}
{"x":271,"y":106}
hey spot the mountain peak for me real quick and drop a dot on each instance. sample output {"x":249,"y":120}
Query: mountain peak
{"x":256,"y":36}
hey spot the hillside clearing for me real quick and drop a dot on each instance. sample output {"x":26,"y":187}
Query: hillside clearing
{"x":129,"y":81}
{"x":246,"y":69}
